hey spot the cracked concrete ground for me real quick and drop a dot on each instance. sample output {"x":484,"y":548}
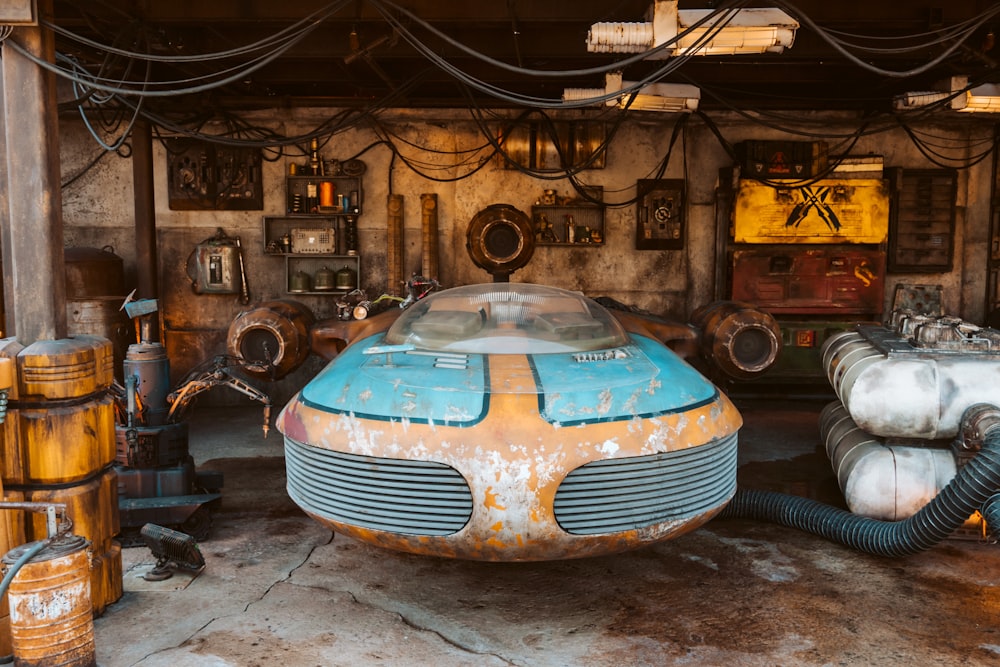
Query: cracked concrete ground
{"x":279,"y":589}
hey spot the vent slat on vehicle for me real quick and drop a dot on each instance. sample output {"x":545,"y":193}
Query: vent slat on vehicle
{"x":395,"y":495}
{"x":636,"y":492}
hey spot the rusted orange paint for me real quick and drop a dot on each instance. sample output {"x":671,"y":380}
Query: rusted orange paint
{"x":490,"y":501}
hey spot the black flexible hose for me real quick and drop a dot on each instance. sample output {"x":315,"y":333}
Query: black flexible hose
{"x":991,"y":515}
{"x":976,"y":482}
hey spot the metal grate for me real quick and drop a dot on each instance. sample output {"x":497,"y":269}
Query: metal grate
{"x":394,"y":495}
{"x":626,"y":494}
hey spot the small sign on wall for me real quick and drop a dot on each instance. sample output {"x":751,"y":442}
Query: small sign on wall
{"x":659,"y":214}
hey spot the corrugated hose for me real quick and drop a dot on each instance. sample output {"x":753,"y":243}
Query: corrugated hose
{"x":975,"y":487}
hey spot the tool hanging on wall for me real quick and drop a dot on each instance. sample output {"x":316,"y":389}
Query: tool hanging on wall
{"x":215,"y":266}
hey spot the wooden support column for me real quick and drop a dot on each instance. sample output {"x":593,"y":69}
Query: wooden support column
{"x":34,"y":267}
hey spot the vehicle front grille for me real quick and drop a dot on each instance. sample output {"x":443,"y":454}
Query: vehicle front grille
{"x":394,"y":495}
{"x":615,"y":495}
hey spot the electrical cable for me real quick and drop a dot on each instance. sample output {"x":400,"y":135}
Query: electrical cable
{"x":524,"y":100}
{"x":727,"y":8}
{"x":277,"y":38}
{"x":840,"y":48}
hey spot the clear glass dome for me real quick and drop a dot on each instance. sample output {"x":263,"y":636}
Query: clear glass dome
{"x":507,"y":318}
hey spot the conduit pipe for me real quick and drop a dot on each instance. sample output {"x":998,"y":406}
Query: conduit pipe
{"x":879,"y":480}
{"x":977,"y":482}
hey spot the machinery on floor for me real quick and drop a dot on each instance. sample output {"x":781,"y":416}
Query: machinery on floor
{"x":157,"y":479}
{"x":914,"y":439}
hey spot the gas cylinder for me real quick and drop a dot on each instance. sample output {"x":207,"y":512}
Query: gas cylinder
{"x":51,"y":617}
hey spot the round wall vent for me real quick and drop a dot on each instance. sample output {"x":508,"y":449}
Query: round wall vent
{"x":500,"y":240}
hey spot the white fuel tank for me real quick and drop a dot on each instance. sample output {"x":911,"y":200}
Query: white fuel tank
{"x":914,"y":377}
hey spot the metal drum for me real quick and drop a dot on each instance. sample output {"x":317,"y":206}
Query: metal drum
{"x":101,"y":316}
{"x":60,"y":427}
{"x":94,"y":272}
{"x":51,"y":616}
{"x":95,"y":291}
{"x":93,"y":505}
{"x":742,"y":340}
{"x":273,"y":338}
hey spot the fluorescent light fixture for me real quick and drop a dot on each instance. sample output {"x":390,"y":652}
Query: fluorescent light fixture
{"x":922,"y":98}
{"x":764,"y":30}
{"x":664,"y":97}
{"x":984,"y":98}
{"x":953,"y":93}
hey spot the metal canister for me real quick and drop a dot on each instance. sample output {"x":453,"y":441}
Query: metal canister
{"x":739,"y":338}
{"x":326,"y":189}
{"x":347,"y":278}
{"x":273,"y":338}
{"x":51,"y":616}
{"x":299,"y":282}
{"x":323,"y":280}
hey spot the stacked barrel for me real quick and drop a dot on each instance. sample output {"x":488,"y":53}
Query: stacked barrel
{"x":59,"y":447}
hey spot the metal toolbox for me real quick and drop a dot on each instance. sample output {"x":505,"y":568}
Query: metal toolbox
{"x":816,"y":280}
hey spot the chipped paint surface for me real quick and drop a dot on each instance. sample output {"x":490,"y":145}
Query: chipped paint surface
{"x":512,"y":448}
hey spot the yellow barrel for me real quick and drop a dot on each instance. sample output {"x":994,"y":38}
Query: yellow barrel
{"x":106,"y":583}
{"x":66,"y":368}
{"x":58,"y":443}
{"x":51,"y":618}
{"x":61,"y":426}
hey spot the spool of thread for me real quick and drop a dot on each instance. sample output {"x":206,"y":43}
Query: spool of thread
{"x":326,"y":194}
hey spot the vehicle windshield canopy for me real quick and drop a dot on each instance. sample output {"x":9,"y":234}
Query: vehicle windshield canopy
{"x":507,"y":318}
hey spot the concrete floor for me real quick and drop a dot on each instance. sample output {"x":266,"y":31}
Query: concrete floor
{"x":280,"y":590}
